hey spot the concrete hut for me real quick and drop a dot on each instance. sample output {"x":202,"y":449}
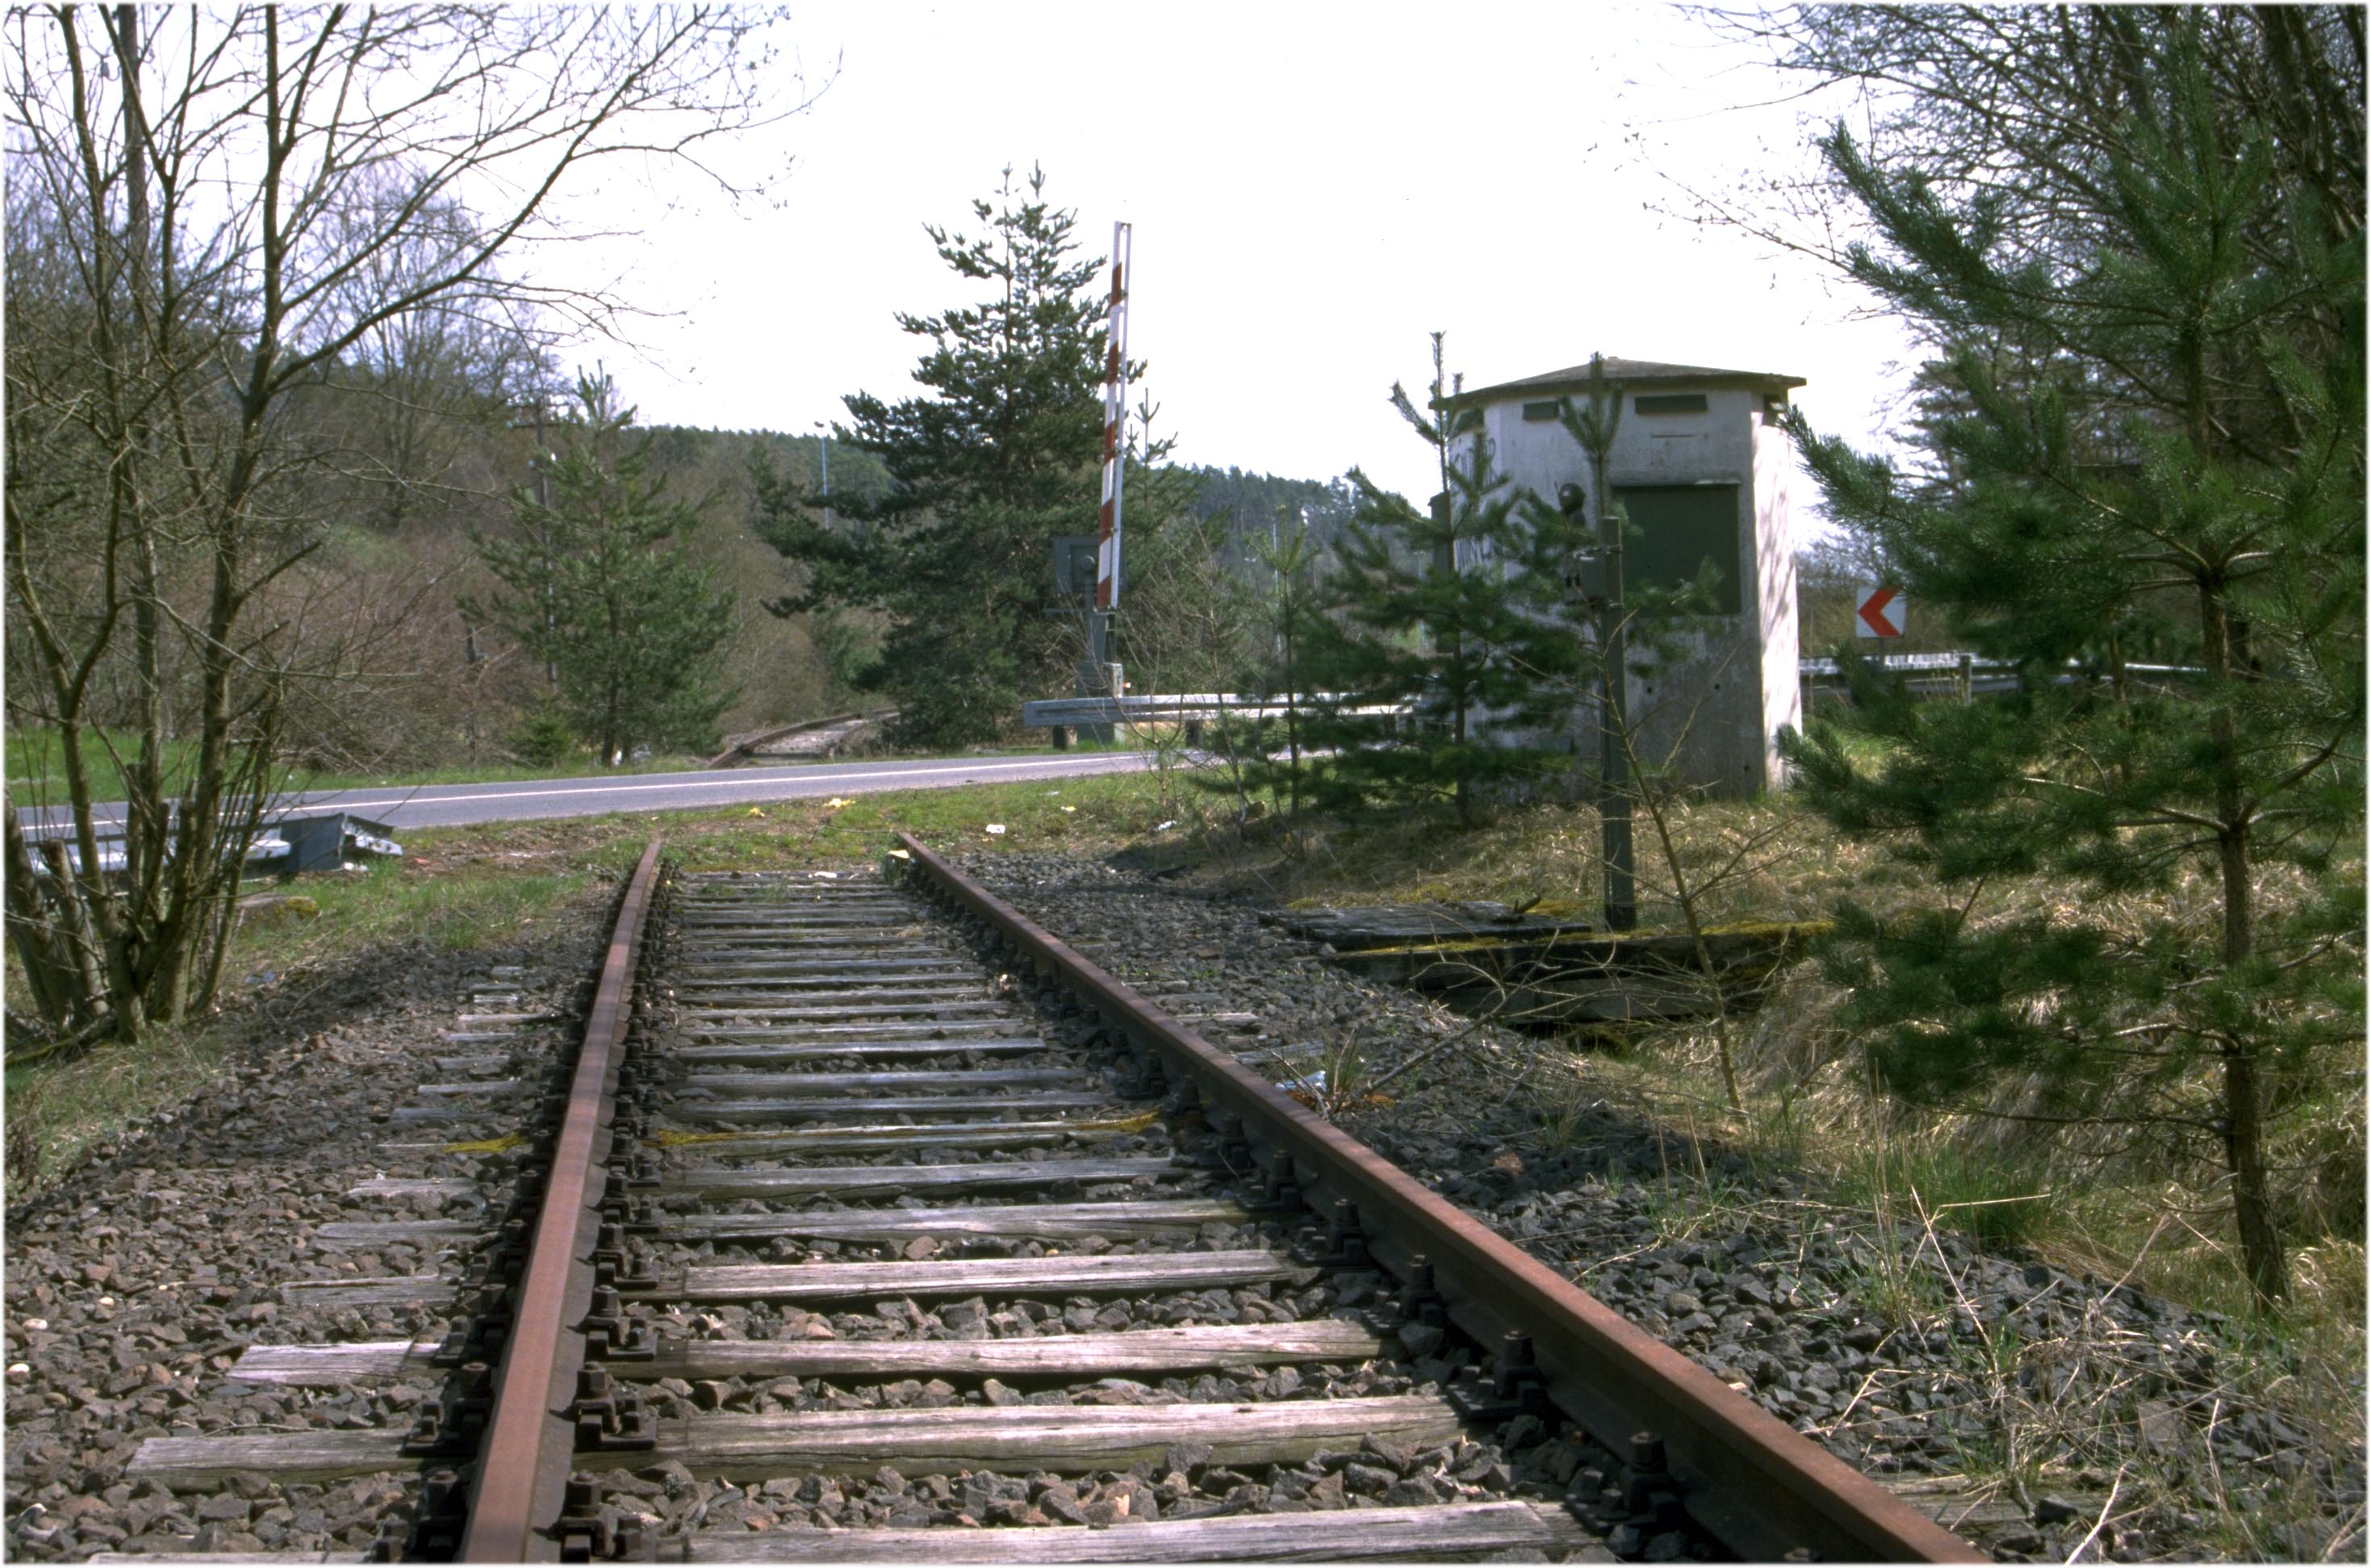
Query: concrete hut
{"x":1701,"y":463}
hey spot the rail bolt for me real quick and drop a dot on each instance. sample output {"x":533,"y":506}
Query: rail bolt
{"x":1519,"y":1377}
{"x":1283,"y":1184}
{"x":1648,"y":1488}
{"x":1235,"y":1148}
{"x":1420,"y":1298}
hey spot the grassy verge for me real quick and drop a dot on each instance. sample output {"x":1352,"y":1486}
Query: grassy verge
{"x":56,"y":1111}
{"x":2075,"y":1200}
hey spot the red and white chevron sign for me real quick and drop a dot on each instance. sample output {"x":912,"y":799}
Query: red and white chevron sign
{"x":1880,"y":612}
{"x":1115,"y":424}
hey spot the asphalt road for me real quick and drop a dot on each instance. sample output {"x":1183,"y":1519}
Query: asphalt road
{"x":454,"y":805}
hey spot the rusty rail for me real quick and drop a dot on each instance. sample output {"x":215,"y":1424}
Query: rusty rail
{"x":530,"y":1440}
{"x":1756,"y":1483}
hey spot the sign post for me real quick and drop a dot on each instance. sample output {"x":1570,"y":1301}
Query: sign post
{"x":1096,"y":673}
{"x":1880,"y":610}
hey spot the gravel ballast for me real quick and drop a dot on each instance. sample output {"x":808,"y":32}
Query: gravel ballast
{"x":1912,"y":1355}
{"x":133,"y":1283}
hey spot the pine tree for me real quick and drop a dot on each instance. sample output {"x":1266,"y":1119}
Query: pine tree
{"x":2148,"y":442}
{"x":602,"y":588}
{"x":958,"y":551}
{"x":1452,"y":613}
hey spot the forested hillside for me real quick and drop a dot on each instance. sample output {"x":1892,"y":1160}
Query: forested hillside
{"x":1256,"y":505}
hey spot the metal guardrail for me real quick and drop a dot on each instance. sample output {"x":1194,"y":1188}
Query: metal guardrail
{"x":296,"y":842}
{"x":1820,"y":668}
{"x":1969,"y":673}
{"x":1163,"y":708}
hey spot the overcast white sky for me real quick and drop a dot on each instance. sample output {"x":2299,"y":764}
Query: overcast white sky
{"x":1314,"y":187}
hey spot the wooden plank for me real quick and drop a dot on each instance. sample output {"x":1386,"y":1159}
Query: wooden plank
{"x":1115,"y":1221}
{"x":845,"y":918}
{"x":748,"y":746}
{"x":757,"y":1008}
{"x":966,"y":1107}
{"x":1459,"y":1530}
{"x":821,"y":928}
{"x":882,"y":1140}
{"x":1970,"y":1506}
{"x":839,"y":977}
{"x":1058,"y":1356}
{"x":1120,"y":1273}
{"x":1067,"y":1356}
{"x":330,"y":1365}
{"x":1016,"y":1439}
{"x":952,"y":1028}
{"x":452,"y":1109}
{"x":451,"y":1147}
{"x":713,"y":993}
{"x":1383,"y":924}
{"x":730,"y":946}
{"x":870,"y":969}
{"x":342,"y":1233}
{"x":767,"y":1085}
{"x":416,"y":1187}
{"x":886,"y":1050}
{"x":207,"y":1463}
{"x":465,"y":1065}
{"x":707,"y":1184}
{"x":384,"y":1291}
{"x":882,"y":975}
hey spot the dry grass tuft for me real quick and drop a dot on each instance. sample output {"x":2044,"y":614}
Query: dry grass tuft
{"x":2096,"y":1202}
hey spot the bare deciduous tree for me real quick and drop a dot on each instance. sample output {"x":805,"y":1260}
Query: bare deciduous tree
{"x":208,"y":222}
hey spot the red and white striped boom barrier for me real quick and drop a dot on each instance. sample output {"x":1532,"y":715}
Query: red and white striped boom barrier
{"x":1115,"y":425}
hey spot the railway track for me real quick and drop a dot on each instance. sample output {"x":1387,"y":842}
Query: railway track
{"x":999,"y":1262}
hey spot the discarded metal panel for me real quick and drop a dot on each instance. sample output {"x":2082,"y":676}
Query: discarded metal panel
{"x":291,"y":844}
{"x":319,"y":843}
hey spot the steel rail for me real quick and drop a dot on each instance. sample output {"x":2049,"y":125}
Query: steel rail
{"x":1757,"y":1485}
{"x":529,"y":1447}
